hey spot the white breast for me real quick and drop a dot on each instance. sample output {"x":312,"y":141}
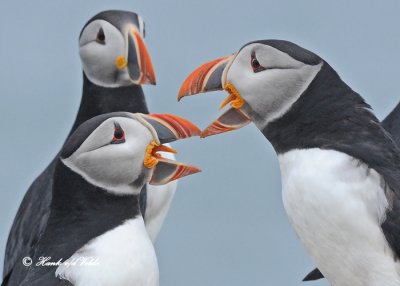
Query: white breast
{"x":124,"y":256}
{"x":336,"y":205}
{"x":159,"y":199}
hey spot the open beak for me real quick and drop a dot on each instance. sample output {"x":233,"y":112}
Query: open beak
{"x":212,"y":76}
{"x":167,"y":128}
{"x":138,"y":62}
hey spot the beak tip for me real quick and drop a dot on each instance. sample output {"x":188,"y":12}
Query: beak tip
{"x":182,"y":93}
{"x":204,"y":134}
{"x":195,"y":170}
{"x":149,"y":82}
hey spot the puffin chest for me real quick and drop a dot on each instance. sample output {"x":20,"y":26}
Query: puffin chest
{"x":336,"y":205}
{"x":122,"y":256}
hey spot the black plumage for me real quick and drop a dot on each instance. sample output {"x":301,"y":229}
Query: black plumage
{"x":392,"y":124}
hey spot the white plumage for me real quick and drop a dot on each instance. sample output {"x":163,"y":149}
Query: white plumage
{"x":125,"y":257}
{"x":336,"y":205}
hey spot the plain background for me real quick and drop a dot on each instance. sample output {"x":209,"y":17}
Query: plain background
{"x":227,"y":225}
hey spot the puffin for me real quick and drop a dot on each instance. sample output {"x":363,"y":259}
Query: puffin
{"x":340,"y":168}
{"x":95,"y":233}
{"x":116,"y":63}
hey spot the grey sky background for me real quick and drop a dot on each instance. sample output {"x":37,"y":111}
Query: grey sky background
{"x":227,"y":225}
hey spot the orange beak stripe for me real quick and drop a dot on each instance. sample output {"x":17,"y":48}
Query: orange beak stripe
{"x":215,"y":128}
{"x":195,"y":81}
{"x":232,"y":119}
{"x":183,"y":127}
{"x":146,"y":66}
{"x":184,"y":170}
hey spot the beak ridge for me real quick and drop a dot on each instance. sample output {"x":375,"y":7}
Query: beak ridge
{"x":147,"y":71}
{"x":170,"y":127}
{"x":208,"y":77}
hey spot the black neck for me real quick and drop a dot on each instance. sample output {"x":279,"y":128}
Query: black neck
{"x":329,"y":115}
{"x":98,"y":100}
{"x":80,"y":212}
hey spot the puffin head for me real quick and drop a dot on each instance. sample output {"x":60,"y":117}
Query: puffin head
{"x":113,"y":51}
{"x":119,"y":152}
{"x":264,"y":79}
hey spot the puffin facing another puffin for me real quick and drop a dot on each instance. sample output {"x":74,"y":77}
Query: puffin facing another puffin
{"x":95,"y":227}
{"x":340,"y":168}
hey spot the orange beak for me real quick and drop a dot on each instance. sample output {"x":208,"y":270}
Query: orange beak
{"x":210,"y":77}
{"x":168,"y":128}
{"x":139,"y":62}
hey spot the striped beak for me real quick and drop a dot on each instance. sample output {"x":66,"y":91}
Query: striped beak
{"x":139,"y":58}
{"x":212,"y":76}
{"x":167,"y":128}
{"x":137,"y":62}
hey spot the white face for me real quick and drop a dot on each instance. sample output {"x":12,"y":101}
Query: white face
{"x":270,"y":86}
{"x":99,"y":46}
{"x":114,"y":165}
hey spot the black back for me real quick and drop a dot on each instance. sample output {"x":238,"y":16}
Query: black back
{"x":392,"y":124}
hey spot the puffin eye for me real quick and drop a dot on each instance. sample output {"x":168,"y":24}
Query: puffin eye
{"x":255,"y":64}
{"x":101,"y":37}
{"x":119,"y":135}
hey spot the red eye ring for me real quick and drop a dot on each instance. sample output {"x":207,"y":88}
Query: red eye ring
{"x":119,"y":136}
{"x":255,"y":64}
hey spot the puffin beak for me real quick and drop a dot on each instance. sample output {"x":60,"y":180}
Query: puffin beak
{"x":139,"y":62}
{"x":210,"y":77}
{"x":167,"y":128}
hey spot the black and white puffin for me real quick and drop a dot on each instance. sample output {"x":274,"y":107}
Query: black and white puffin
{"x":95,"y":228}
{"x":340,"y":168}
{"x":115,"y":64}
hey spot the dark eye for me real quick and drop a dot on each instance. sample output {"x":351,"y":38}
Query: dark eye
{"x":101,"y":38}
{"x":119,"y":135}
{"x":255,"y":64}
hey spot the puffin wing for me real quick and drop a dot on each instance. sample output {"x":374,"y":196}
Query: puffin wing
{"x":392,"y":123}
{"x":30,"y":220}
